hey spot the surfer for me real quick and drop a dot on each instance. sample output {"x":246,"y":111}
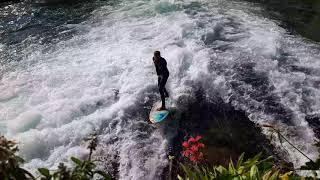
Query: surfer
{"x":163,"y":74}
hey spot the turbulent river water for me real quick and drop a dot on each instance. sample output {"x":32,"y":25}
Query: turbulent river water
{"x":68,"y":71}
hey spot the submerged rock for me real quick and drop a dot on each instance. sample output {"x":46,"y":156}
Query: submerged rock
{"x":227,"y":132}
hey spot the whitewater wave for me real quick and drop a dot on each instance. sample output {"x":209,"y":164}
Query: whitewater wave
{"x":102,"y":80}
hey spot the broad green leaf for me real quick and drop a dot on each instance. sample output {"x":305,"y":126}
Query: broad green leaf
{"x":221,"y":169}
{"x":254,"y":171}
{"x":240,"y":170}
{"x":76,"y":160}
{"x":45,"y":172}
{"x":239,"y":163}
{"x":232,"y":170}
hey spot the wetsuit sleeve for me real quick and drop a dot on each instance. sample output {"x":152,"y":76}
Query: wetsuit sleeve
{"x":164,"y":63}
{"x":157,"y":68}
{"x":164,"y":66}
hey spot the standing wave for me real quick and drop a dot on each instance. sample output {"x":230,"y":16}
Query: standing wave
{"x":102,"y":79}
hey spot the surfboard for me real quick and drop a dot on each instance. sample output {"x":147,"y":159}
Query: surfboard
{"x":158,"y":116}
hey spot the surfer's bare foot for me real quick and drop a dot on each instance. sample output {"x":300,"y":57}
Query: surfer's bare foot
{"x":161,"y":109}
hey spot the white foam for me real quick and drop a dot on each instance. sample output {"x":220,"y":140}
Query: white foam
{"x":72,"y":88}
{"x":24,"y":122}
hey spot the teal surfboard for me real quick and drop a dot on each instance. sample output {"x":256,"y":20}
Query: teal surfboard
{"x":158,"y":116}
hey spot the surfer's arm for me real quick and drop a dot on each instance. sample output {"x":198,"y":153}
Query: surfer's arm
{"x":164,"y":62}
{"x":164,"y":65}
{"x":155,"y":65}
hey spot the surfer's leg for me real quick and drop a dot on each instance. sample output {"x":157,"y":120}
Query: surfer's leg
{"x":161,"y":84}
{"x":166,"y":94}
{"x":159,"y":81}
{"x":163,"y":102}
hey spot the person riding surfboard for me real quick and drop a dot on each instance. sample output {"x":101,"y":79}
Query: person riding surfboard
{"x":163,"y":75}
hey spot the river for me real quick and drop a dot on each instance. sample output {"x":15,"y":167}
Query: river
{"x":70,"y":70}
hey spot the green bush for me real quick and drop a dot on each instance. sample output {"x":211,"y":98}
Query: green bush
{"x":10,"y":162}
{"x":251,"y":169}
{"x":255,"y":168}
{"x":83,"y":170}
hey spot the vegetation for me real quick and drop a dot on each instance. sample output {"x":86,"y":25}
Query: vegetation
{"x":10,"y":164}
{"x":83,"y":170}
{"x":193,"y":167}
{"x":192,"y":149}
{"x":256,"y":168}
{"x":251,"y":169}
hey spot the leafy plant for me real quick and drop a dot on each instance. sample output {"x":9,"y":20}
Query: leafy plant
{"x":83,"y":170}
{"x":251,"y":169}
{"x":10,"y":162}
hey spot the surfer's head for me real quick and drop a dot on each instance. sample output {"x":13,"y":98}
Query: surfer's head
{"x":157,"y":54}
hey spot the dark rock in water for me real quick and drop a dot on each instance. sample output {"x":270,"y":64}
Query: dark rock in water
{"x":226,"y":132}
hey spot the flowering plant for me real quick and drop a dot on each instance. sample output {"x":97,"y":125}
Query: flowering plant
{"x":192,"y":149}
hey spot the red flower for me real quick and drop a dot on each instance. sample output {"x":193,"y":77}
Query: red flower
{"x":191,"y":140}
{"x":200,"y":145}
{"x":185,"y":144}
{"x":193,"y":159}
{"x":192,"y":149}
{"x":197,"y":157}
{"x":198,"y":138}
{"x":186,"y":153}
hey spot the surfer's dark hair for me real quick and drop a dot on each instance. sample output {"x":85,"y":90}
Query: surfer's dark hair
{"x":156,"y":53}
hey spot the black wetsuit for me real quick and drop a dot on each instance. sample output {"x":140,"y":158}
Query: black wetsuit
{"x":163,"y":74}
